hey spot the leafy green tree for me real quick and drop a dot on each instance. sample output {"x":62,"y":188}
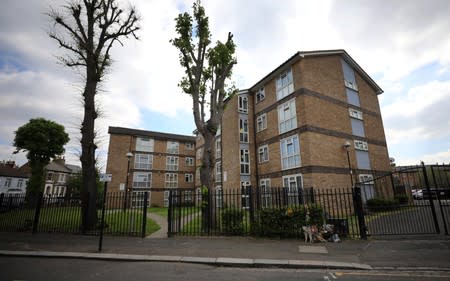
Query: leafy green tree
{"x":90,"y":28}
{"x":42,"y":140}
{"x":207,"y":70}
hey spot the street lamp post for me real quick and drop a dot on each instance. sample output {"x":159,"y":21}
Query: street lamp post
{"x":128,"y":155}
{"x":347,"y":145}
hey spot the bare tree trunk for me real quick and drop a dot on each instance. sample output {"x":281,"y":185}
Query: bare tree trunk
{"x":89,"y":192}
{"x":207,"y":178}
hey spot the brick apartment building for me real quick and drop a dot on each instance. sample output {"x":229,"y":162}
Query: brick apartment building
{"x":155,"y":161}
{"x":293,"y":128}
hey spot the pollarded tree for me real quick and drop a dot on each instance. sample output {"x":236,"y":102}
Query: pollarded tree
{"x":42,"y":140}
{"x":88,"y":30}
{"x":207,"y":70}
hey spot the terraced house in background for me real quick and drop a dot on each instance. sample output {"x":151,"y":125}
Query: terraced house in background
{"x":314,"y":121}
{"x":141,"y":161}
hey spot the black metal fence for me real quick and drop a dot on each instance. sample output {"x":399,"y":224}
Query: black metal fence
{"x":272,"y":212}
{"x":46,"y":213}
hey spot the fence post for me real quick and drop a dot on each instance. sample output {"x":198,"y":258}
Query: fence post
{"x":169,"y":215}
{"x":430,"y":198}
{"x":102,"y":227}
{"x":144,"y":215}
{"x":251,"y":208}
{"x":357,"y":202}
{"x":37,"y":212}
{"x":439,"y":199}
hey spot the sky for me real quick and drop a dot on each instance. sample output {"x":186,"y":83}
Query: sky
{"x":403,"y":45}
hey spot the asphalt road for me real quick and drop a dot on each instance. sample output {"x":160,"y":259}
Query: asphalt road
{"x":36,"y":269}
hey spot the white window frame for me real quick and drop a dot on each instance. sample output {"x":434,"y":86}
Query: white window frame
{"x":61,"y":177}
{"x":218,"y":144}
{"x":261,"y":122}
{"x":143,"y":161}
{"x":266,"y":192}
{"x":350,"y":85}
{"x":189,"y":161}
{"x":189,"y":177}
{"x":172,"y":163}
{"x":244,"y":161}
{"x":245,"y":200}
{"x":49,"y":176}
{"x":142,"y":179}
{"x":243,"y":130}
{"x":189,"y":146}
{"x":263,"y":153}
{"x":243,"y":104}
{"x":218,"y":171}
{"x":361,"y":145}
{"x":284,"y":84}
{"x":355,"y":114}
{"x":173,"y":147}
{"x":145,"y":144}
{"x":219,"y":196}
{"x":260,"y":94}
{"x":20,"y":182}
{"x":287,"y":116}
{"x":8,"y":182}
{"x":291,"y":183}
{"x":171,"y":180}
{"x":284,"y":147}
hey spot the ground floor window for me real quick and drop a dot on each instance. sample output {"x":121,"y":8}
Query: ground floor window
{"x":138,"y":199}
{"x":245,"y":193}
{"x":266,"y":194}
{"x":293,"y":185}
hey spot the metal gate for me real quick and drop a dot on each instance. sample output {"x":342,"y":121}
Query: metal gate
{"x":410,"y":200}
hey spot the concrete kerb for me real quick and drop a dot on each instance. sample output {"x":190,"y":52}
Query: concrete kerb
{"x":220,"y":261}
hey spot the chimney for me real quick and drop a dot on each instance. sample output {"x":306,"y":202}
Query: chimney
{"x":10,"y":163}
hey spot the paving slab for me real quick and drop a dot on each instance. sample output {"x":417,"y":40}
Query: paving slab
{"x":313,"y":249}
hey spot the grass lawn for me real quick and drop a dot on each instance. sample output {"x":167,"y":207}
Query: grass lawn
{"x":163,"y":212}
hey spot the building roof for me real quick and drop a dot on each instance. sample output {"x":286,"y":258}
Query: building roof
{"x":13,"y":172}
{"x":302,"y":54}
{"x":156,"y":135}
{"x":53,"y":166}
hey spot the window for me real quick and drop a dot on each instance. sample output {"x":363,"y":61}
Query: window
{"x":7,"y":182}
{"x":171,"y":180}
{"x":243,"y":130}
{"x":284,"y":85}
{"x":261,"y":122}
{"x":189,"y":161}
{"x":49,"y":176}
{"x":245,"y":162}
{"x":189,"y":146}
{"x":172,"y":147}
{"x":367,"y":187}
{"x":142,"y":180}
{"x":166,"y":198}
{"x":290,"y":152}
{"x":243,"y":104}
{"x":172,"y":163}
{"x":245,"y":191}
{"x":266,"y":194}
{"x":189,"y":177}
{"x":137,"y":199}
{"x":355,"y":113}
{"x":294,"y":186}
{"x":143,"y":161}
{"x":19,"y":182}
{"x":362,"y":159}
{"x":263,"y":153}
{"x":218,"y":148}
{"x":357,"y":127}
{"x":219,"y":196}
{"x":218,"y":171}
{"x":287,"y":117}
{"x":144,"y":144}
{"x":349,"y":76}
{"x":260,"y":94}
{"x":352,"y":97}
{"x":62,"y":177}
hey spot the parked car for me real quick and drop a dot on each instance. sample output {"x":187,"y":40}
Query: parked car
{"x":417,"y":194}
{"x":443,"y":193}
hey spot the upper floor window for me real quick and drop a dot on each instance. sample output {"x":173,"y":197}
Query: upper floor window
{"x":357,"y":127}
{"x":261,"y":122}
{"x":189,"y":177}
{"x":245,"y":162}
{"x":243,"y":104}
{"x":189,"y":161}
{"x":171,"y":180}
{"x":8,"y":182}
{"x":218,"y":171}
{"x":62,"y":177}
{"x":189,"y":146}
{"x":349,"y":76}
{"x":218,"y":148}
{"x":355,"y":113}
{"x":49,"y":176}
{"x":143,"y":161}
{"x":263,"y":153}
{"x":142,"y":180}
{"x":144,"y":144}
{"x":362,"y":154}
{"x":352,"y":97}
{"x":290,"y":152}
{"x":172,"y":163}
{"x":287,"y":116}
{"x":243,"y":130}
{"x":260,"y":95}
{"x":284,"y":85}
{"x":173,"y":147}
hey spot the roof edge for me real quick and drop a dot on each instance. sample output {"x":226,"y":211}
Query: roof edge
{"x":157,"y":135}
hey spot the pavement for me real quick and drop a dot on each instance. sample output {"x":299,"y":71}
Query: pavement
{"x":403,"y":253}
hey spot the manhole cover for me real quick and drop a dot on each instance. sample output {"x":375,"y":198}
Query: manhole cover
{"x":313,"y":249}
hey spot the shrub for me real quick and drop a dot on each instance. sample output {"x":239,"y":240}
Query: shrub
{"x":232,"y":221}
{"x":401,"y":199}
{"x":380,"y":204}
